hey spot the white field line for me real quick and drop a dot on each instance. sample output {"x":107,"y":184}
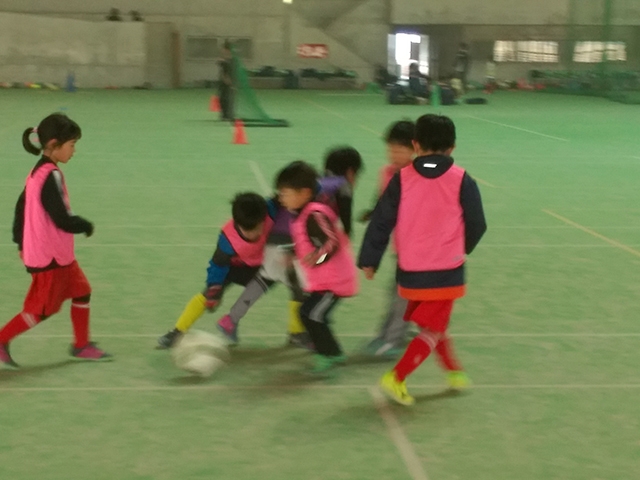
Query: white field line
{"x":610,"y":241}
{"x":213,"y":387}
{"x":262,"y":181}
{"x":517,"y":128}
{"x":399,"y":438}
{"x":366,"y":335}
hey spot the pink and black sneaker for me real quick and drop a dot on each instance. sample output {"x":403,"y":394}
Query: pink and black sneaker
{"x":5,"y":356}
{"x":90,"y":352}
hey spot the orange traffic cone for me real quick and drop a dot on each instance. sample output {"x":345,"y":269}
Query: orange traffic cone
{"x":214,"y":104}
{"x":239,"y":135}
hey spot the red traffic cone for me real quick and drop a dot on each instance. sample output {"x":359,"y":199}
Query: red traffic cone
{"x":239,"y":135}
{"x":214,"y":104}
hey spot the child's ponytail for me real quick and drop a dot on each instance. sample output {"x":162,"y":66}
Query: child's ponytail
{"x":26,"y":142}
{"x":57,"y":127}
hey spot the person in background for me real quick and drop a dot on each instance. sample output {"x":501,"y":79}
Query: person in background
{"x":490,"y":75}
{"x":418,"y":82}
{"x":225,"y":83}
{"x":461,"y":64}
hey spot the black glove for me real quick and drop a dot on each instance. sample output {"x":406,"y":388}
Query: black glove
{"x":88,"y":230}
{"x":212,"y":295}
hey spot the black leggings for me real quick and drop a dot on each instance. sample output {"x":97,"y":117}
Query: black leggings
{"x":314,"y":312}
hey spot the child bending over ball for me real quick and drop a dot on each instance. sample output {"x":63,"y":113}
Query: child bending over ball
{"x":342,"y":165}
{"x":237,"y":258}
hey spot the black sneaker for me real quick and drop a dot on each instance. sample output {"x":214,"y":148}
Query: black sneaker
{"x":169,"y":339}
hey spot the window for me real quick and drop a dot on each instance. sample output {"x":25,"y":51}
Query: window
{"x":525,"y":51}
{"x":591,"y":52}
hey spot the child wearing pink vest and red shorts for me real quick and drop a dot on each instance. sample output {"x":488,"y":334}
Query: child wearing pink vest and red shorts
{"x":436,"y":211}
{"x":324,"y":252}
{"x":43,"y":229}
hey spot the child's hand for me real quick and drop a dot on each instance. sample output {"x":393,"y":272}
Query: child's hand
{"x":365,"y":216}
{"x":89,"y":229}
{"x":212,"y":297}
{"x":369,"y":272}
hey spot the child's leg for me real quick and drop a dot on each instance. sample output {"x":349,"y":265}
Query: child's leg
{"x":446,"y":356}
{"x":417,"y":352}
{"x":250,"y":295}
{"x":433,"y":317}
{"x":80,"y":311}
{"x":255,"y":286}
{"x":46,"y":295}
{"x":393,"y":331}
{"x":296,"y":327}
{"x":79,"y":291}
{"x":315,"y":316}
{"x":191,"y":313}
{"x":18,"y":325}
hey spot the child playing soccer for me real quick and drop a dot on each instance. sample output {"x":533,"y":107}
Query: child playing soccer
{"x":393,"y":330}
{"x":335,"y":189}
{"x":324,"y":253}
{"x":436,"y":210}
{"x":237,"y":258}
{"x":43,"y":228}
{"x":341,"y":168}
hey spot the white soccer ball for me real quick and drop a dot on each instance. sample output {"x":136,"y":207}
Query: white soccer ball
{"x":200,"y":352}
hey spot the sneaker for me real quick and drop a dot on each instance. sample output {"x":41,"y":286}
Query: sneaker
{"x":5,"y":356}
{"x":458,"y":380}
{"x":301,"y":340}
{"x":396,"y":390}
{"x":379,"y":348}
{"x":228,"y":329}
{"x":324,"y":363}
{"x":169,"y":339}
{"x":90,"y":352}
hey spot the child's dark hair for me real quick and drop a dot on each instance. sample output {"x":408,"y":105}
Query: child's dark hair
{"x":298,"y":175}
{"x":401,"y":133}
{"x":435,"y":133}
{"x":56,"y":126}
{"x":248,"y":210}
{"x":340,"y":160}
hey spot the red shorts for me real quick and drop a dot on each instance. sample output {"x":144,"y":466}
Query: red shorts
{"x":49,"y":289}
{"x":434,"y":314}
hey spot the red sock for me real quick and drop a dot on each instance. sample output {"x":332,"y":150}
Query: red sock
{"x":80,"y":321}
{"x":417,"y":352}
{"x":444,"y":350}
{"x":17,"y":325}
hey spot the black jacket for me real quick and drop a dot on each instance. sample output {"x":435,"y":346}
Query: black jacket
{"x":385,"y":216}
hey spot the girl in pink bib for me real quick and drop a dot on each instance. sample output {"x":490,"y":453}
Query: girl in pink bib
{"x":43,"y":228}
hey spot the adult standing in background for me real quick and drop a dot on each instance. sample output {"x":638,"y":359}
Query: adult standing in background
{"x":461,"y":65}
{"x":225,"y":83}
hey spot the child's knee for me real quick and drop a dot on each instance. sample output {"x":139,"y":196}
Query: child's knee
{"x":83,"y":299}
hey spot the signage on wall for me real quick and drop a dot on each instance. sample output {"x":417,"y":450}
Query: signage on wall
{"x":313,"y":50}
